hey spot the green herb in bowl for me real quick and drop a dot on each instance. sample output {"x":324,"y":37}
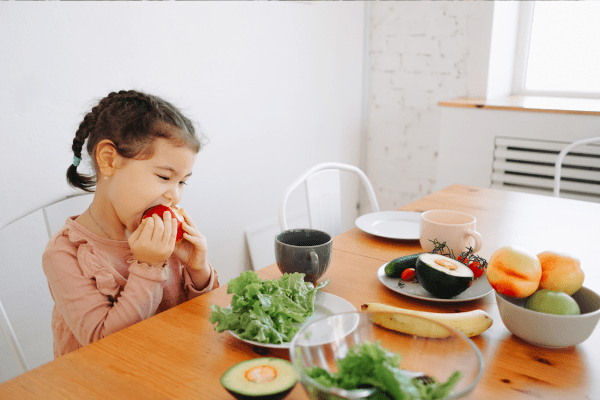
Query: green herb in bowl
{"x":369,"y":365}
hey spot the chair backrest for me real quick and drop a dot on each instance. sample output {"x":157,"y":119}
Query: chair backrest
{"x":323,"y":195}
{"x":560,"y":158}
{"x":55,"y":212}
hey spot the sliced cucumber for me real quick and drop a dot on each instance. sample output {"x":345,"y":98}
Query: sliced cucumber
{"x":396,"y":267}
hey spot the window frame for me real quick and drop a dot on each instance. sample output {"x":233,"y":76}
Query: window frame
{"x":525,"y":22}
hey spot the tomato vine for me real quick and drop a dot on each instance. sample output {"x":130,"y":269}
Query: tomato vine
{"x":476,"y":263}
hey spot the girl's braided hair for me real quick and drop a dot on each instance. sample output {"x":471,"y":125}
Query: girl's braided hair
{"x":131,"y":120}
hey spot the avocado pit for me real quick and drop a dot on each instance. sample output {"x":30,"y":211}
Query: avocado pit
{"x":261,"y":374}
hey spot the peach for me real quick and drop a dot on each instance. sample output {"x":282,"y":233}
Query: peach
{"x":514,"y":272}
{"x":560,"y":272}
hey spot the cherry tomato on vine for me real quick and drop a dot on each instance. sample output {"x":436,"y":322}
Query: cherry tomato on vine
{"x":408,"y":274}
{"x":477,"y":269}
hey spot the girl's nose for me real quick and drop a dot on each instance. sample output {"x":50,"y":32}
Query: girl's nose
{"x":174,"y":194}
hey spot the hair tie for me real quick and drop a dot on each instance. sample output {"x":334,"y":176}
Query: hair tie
{"x":76,"y":160}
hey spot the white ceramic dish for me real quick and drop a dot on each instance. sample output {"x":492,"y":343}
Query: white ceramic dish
{"x":325,"y":304}
{"x":480,"y":288}
{"x":391,"y":224}
{"x":549,"y":330}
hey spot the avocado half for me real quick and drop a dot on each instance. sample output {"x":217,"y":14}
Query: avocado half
{"x":262,"y":378}
{"x":442,"y":276}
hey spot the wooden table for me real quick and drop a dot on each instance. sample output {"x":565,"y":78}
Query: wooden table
{"x":178,"y":355}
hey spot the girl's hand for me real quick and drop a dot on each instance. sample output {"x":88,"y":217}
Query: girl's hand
{"x":191,"y":251}
{"x":154,"y":239}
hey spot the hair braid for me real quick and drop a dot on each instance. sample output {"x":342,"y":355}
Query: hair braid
{"x":75,"y":179}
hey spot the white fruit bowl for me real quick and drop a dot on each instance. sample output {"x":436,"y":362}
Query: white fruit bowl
{"x":550,"y":330}
{"x":324,"y":341}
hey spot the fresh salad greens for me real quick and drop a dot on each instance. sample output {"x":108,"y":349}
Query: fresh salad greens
{"x":266,"y":311}
{"x":370,"y":365}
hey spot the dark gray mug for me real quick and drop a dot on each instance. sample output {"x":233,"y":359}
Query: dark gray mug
{"x":307,"y":251}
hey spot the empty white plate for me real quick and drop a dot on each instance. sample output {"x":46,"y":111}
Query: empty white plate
{"x":391,"y":224}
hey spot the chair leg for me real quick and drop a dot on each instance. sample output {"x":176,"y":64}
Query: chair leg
{"x":12,"y":341}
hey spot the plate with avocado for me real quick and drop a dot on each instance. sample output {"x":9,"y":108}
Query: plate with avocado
{"x":439,"y":279}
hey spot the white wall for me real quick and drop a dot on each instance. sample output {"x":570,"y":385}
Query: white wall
{"x":421,"y":53}
{"x":277,"y":87}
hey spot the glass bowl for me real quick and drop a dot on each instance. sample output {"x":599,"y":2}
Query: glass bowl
{"x":437,"y":351}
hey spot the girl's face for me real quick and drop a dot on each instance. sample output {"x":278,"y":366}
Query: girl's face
{"x":140,"y":184}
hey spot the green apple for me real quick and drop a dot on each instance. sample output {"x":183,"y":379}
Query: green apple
{"x":552,"y":302}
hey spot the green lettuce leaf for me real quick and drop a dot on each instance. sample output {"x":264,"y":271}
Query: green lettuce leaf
{"x":370,"y":365}
{"x":266,"y":311}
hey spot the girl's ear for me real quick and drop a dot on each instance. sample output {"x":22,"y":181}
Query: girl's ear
{"x":107,"y":157}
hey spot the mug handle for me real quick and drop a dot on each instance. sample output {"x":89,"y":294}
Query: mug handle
{"x":314,"y":259}
{"x":478,"y":239}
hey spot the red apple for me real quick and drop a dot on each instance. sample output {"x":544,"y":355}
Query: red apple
{"x":160,"y":210}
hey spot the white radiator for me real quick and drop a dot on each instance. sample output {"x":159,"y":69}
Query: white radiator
{"x":528,"y":165}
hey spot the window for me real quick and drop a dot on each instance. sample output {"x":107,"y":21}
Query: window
{"x":558,"y":49}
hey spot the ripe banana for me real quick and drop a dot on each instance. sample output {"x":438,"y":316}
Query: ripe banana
{"x":471,"y":323}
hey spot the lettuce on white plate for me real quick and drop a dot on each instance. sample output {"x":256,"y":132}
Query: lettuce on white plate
{"x":266,"y":311}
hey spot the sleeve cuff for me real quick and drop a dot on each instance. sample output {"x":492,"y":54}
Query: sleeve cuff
{"x":155,"y":273}
{"x":213,"y":282}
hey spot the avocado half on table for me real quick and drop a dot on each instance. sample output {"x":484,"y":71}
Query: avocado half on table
{"x":264,"y":378}
{"x":442,"y":276}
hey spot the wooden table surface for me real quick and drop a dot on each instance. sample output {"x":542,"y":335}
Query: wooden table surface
{"x":178,"y":355}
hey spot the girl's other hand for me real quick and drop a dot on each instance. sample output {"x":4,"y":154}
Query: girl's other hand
{"x":191,"y":251}
{"x":154,"y":239}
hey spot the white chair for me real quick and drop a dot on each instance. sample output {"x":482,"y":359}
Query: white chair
{"x":561,"y":156}
{"x":55,"y":213}
{"x":323,"y":196}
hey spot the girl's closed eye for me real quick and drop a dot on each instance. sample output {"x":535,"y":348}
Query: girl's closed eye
{"x":166,"y":178}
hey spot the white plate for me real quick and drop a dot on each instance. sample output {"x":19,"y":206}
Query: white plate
{"x":325,"y":304}
{"x":480,"y":288}
{"x":391,"y":224}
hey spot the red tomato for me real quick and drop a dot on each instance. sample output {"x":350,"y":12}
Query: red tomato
{"x":477,"y":269}
{"x":408,"y":274}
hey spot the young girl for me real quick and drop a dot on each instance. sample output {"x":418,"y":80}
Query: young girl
{"x":105,"y":269}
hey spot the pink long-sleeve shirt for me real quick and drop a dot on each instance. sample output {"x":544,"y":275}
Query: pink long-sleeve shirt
{"x":99,"y":288}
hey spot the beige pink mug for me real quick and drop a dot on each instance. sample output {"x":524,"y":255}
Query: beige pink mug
{"x":456,"y":228}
